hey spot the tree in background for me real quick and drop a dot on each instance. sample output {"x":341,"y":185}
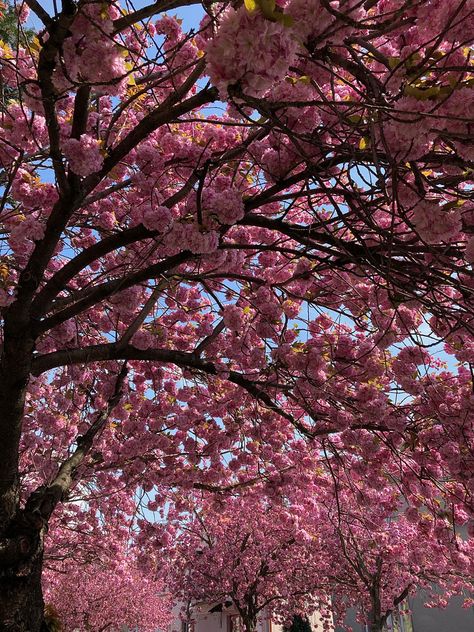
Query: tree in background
{"x":325,"y":540}
{"x":13,"y":34}
{"x":92,"y":588}
{"x":96,"y":597}
{"x":243,"y":550}
{"x":192,"y":294}
{"x":370,"y":552}
{"x":11,"y":28}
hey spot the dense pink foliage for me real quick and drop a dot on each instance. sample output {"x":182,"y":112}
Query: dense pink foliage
{"x":274,"y":293}
{"x":324,"y":542}
{"x":107,"y":596}
{"x":247,"y":550}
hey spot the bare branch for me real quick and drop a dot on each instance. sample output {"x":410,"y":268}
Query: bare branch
{"x":207,"y":341}
{"x":144,"y":312}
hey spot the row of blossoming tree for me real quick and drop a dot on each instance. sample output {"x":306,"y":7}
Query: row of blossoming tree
{"x":318,"y":543}
{"x":225,"y":252}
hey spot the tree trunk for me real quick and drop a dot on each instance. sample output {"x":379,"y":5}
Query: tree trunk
{"x":21,"y":530}
{"x":376,"y":622}
{"x":250,"y":625}
{"x":21,"y":597}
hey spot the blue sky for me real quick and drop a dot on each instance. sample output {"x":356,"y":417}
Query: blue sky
{"x":190,"y":15}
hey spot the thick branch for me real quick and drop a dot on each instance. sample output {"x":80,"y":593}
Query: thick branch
{"x":212,"y":336}
{"x":39,"y":12}
{"x":109,"y":288}
{"x":43,"y":501}
{"x":152,"y":9}
{"x":104,"y":352}
{"x":81,"y":111}
{"x":58,"y":30}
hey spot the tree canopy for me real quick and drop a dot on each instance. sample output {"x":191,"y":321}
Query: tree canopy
{"x":233,"y":255}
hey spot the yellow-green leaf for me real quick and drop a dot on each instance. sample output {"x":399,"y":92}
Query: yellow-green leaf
{"x":104,"y":11}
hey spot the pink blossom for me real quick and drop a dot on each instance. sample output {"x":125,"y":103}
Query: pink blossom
{"x":156,"y":218}
{"x":236,"y":55}
{"x":435,"y":224}
{"x":84,"y":154}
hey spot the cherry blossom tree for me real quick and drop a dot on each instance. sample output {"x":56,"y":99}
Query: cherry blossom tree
{"x":220,"y":245}
{"x":102,"y":596}
{"x":338,"y":542}
{"x":94,"y":580}
{"x":244,"y":550}
{"x":372,"y":555}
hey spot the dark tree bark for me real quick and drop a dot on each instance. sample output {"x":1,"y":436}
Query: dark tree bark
{"x":21,"y":541}
{"x":21,"y":598}
{"x":250,"y":625}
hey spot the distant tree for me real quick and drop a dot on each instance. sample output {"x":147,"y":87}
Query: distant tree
{"x":98,"y":596}
{"x":8,"y":23}
{"x":247,"y":551}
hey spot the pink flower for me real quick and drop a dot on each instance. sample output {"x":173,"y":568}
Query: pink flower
{"x":23,"y":11}
{"x":226,"y":206}
{"x":142,"y":340}
{"x":84,"y":154}
{"x":157,"y":218}
{"x":233,"y":317}
{"x":250,"y":49}
{"x":434,"y":223}
{"x":323,"y":28}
